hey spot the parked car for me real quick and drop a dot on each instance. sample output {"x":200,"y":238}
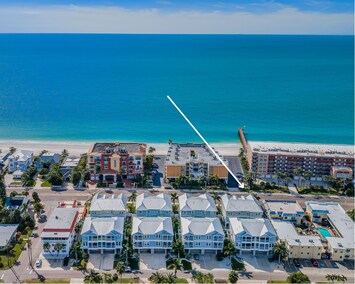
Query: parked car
{"x":38,"y":263}
{"x":155,"y":166}
{"x":296,"y":262}
{"x":196,"y":257}
{"x":315,"y":262}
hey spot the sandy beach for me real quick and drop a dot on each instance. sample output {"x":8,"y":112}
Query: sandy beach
{"x":79,"y":147}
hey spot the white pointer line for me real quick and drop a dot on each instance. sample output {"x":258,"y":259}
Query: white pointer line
{"x":204,"y":140}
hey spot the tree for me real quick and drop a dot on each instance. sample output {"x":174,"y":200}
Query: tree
{"x":65,"y":154}
{"x":336,"y":277}
{"x":120,"y":268}
{"x":35,"y":197}
{"x":47,"y":247}
{"x":131,"y":208}
{"x":279,"y":176}
{"x":233,"y":276}
{"x":2,"y":191}
{"x":216,"y":197}
{"x":174,"y":197}
{"x":157,"y":277}
{"x":55,"y":176}
{"x":176,"y":265}
{"x":280,"y":250}
{"x":169,"y":278}
{"x":287,"y":180}
{"x":58,"y":247}
{"x":76,"y":249}
{"x":298,"y":277}
{"x":76,"y":176}
{"x":108,"y":277}
{"x":132,"y":198}
{"x":228,"y":249}
{"x":298,"y":172}
{"x":151,"y":150}
{"x":12,"y":150}
{"x":93,"y":277}
{"x":37,"y":207}
{"x":202,"y":278}
{"x":178,"y":247}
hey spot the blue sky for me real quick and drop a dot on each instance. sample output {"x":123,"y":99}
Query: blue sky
{"x":179,"y":16}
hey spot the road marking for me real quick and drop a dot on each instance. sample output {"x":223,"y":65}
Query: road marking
{"x":241,"y":185}
{"x":2,"y":276}
{"x":31,"y":271}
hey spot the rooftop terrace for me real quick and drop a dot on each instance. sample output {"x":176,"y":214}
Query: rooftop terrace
{"x":118,"y":147}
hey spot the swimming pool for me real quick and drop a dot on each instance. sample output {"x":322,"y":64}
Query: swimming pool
{"x":324,"y":232}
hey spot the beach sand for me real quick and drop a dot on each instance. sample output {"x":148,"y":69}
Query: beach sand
{"x":78,"y":147}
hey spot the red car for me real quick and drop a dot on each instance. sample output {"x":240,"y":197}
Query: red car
{"x":315,"y":262}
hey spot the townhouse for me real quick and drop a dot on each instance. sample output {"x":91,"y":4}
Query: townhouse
{"x":200,"y":206}
{"x":256,"y":236}
{"x":68,"y":166}
{"x":20,"y":161}
{"x":202,"y":235}
{"x":152,"y":234}
{"x":288,"y":210}
{"x":193,"y":160}
{"x":153,"y":205}
{"x":102,"y":235}
{"x":105,"y":206}
{"x":240,"y":207}
{"x":109,"y":160}
{"x":47,"y":158}
{"x":340,"y":238}
{"x":58,"y":234}
{"x":298,"y":246}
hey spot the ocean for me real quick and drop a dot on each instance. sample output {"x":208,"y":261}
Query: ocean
{"x":77,"y":87}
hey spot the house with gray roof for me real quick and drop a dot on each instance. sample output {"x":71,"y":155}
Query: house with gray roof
{"x":7,"y":235}
{"x":68,"y":165}
{"x":202,"y":235}
{"x":252,"y":235}
{"x":200,"y":206}
{"x":47,"y":158}
{"x":240,"y":207}
{"x":16,"y":202}
{"x":103,"y":205}
{"x":102,"y":235}
{"x":152,"y":234}
{"x":153,"y":205}
{"x":288,"y":210}
{"x":20,"y":160}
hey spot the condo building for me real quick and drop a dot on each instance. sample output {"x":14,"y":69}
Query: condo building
{"x":288,"y":210}
{"x":298,"y":246}
{"x":59,"y":230}
{"x":340,"y":238}
{"x":194,"y":161}
{"x":110,"y":159}
{"x":256,"y":236}
{"x":269,"y":158}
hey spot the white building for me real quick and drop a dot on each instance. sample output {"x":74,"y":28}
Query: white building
{"x":20,"y":160}
{"x":152,"y":234}
{"x":288,"y":210}
{"x":153,"y":205}
{"x":341,"y":242}
{"x":102,"y":235}
{"x":59,"y":230}
{"x":104,"y":206}
{"x":200,"y":206}
{"x":7,"y":235}
{"x":240,"y":207}
{"x":252,"y":235}
{"x":202,"y":235}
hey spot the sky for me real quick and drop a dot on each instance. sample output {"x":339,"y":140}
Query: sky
{"x":178,"y":16}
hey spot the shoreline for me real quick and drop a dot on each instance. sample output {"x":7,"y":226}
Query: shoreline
{"x":79,"y":147}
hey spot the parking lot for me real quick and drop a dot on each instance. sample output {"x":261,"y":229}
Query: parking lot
{"x":307,"y":263}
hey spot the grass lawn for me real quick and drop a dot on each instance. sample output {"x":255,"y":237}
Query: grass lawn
{"x":16,"y":183}
{"x":181,"y":280}
{"x":48,"y":280}
{"x":278,"y":281}
{"x":46,"y":184}
{"x":16,"y":251}
{"x":127,"y":280}
{"x":236,"y":265}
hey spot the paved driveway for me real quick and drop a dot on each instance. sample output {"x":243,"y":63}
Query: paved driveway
{"x":209,"y":262}
{"x":101,"y":261}
{"x":152,"y":261}
{"x":261,"y":263}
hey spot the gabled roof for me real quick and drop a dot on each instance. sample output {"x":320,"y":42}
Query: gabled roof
{"x":6,"y":232}
{"x":103,"y":225}
{"x":103,"y":203}
{"x":201,"y":226}
{"x":152,"y":225}
{"x":254,"y":227}
{"x":201,"y":202}
{"x":21,"y":155}
{"x":161,"y":201}
{"x":240,"y":204}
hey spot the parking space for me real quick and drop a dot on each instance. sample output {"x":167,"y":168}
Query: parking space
{"x":47,"y":264}
{"x":152,"y":261}
{"x":209,"y":262}
{"x":290,"y":266}
{"x":349,"y":264}
{"x":260,"y":263}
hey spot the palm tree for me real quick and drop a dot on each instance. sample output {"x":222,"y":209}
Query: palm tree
{"x":279,"y":176}
{"x":132,"y":198}
{"x":178,"y":247}
{"x":216,"y":197}
{"x":331,"y":277}
{"x":108,"y":277}
{"x":120,"y":268}
{"x":121,"y":171}
{"x":214,"y":179}
{"x":151,"y":150}
{"x":29,"y":246}
{"x":342,"y":278}
{"x":58,"y":247}
{"x":176,"y":265}
{"x":298,"y":172}
{"x":157,"y":277}
{"x":131,"y":208}
{"x":47,"y":247}
{"x":93,"y":277}
{"x":233,"y":276}
{"x":229,"y":249}
{"x":174,"y":197}
{"x":287,"y":180}
{"x":169,"y":278}
{"x":280,"y":250}
{"x":76,"y":249}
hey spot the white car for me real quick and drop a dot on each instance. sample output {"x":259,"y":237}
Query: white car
{"x":38,"y":263}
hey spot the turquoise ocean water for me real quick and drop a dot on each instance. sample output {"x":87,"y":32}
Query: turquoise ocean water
{"x":114,"y":87}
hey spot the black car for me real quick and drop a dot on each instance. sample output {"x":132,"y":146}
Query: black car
{"x":296,"y":263}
